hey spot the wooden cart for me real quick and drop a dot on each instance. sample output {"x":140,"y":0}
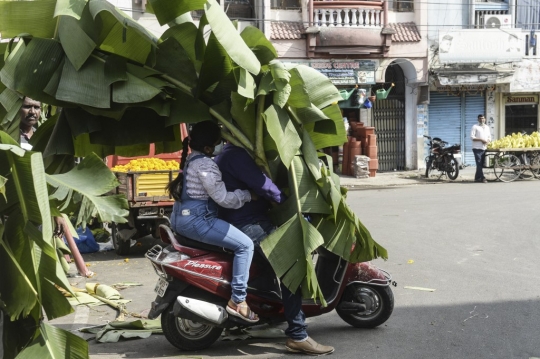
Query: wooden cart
{"x":149,"y":206}
{"x":509,"y":164}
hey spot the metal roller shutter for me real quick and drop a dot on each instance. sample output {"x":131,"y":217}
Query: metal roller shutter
{"x":474,"y":106}
{"x":444,"y":118}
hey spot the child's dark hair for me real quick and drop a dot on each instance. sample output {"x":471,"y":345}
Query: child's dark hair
{"x":202,"y":134}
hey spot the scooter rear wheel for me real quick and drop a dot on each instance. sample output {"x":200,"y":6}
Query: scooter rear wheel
{"x":379,"y":302}
{"x":187,"y":334}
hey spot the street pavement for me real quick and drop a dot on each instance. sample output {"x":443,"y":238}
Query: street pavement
{"x":110,"y":269}
{"x":404,"y":178}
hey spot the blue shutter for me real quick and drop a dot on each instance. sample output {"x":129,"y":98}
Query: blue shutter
{"x":444,"y":119}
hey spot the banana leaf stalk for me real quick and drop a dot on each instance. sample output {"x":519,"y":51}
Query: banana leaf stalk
{"x":259,"y":143}
{"x":118,"y":306}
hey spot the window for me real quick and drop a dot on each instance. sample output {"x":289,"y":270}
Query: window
{"x":285,"y":4}
{"x":403,"y":5}
{"x":239,"y":9}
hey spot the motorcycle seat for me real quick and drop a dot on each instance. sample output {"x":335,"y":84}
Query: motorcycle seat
{"x":188,"y":242}
{"x":167,"y":235}
{"x":456,"y":147}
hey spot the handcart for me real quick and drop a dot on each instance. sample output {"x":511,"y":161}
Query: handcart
{"x":509,"y":164}
{"x":149,"y":206}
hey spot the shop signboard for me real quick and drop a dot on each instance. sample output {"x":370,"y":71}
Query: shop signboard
{"x":481,"y":45}
{"x":520,"y":100}
{"x":345,"y":72}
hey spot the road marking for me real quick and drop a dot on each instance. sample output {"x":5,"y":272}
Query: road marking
{"x":420,"y":288}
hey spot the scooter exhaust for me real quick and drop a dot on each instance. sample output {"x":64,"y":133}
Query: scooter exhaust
{"x":199,"y":310}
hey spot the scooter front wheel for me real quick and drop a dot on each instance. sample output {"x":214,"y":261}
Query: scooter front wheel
{"x":187,"y":334}
{"x":379,"y":303}
{"x":429,"y":167}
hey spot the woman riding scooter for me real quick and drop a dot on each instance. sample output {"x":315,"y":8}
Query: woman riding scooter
{"x":198,"y":190}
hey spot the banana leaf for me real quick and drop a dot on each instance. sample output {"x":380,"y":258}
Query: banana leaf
{"x":31,"y":17}
{"x":229,"y":38}
{"x":53,"y":342}
{"x":121,"y":35}
{"x":282,"y":130}
{"x":77,"y":45}
{"x":73,"y":8}
{"x":136,"y":90}
{"x":259,"y":44}
{"x":186,"y":35}
{"x":92,"y":179}
{"x":166,"y":10}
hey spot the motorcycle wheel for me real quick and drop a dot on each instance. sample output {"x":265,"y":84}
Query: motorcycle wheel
{"x":452,"y":170}
{"x":379,"y":302}
{"x":187,"y":334}
{"x":429,"y":167}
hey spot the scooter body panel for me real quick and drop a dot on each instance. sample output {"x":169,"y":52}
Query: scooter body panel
{"x":211,"y":272}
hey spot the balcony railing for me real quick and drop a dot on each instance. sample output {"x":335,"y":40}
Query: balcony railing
{"x":366,"y":14}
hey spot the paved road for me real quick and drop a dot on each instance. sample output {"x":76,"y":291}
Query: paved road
{"x":476,"y":245}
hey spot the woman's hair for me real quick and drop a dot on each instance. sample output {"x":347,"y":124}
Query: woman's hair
{"x":202,"y":134}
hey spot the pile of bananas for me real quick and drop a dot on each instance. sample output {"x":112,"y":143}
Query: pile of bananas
{"x":147,"y":164}
{"x":517,"y":140}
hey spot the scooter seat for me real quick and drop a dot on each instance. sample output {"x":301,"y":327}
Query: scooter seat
{"x":188,"y":242}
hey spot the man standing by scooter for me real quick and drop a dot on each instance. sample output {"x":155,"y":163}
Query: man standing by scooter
{"x":239,"y":171}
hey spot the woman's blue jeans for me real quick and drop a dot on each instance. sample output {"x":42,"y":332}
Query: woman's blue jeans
{"x":197,"y":219}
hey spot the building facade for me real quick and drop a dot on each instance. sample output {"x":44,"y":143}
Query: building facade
{"x":483,"y":60}
{"x":362,"y":45}
{"x":371,"y":45}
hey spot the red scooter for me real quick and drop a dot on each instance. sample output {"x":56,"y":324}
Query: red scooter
{"x":194,"y":287}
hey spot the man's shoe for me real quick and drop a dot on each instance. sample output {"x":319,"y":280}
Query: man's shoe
{"x":308,"y":346}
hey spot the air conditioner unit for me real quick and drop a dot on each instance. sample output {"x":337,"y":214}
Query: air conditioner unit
{"x":497,"y":21}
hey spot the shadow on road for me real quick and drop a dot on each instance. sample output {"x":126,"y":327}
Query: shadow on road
{"x":475,"y":330}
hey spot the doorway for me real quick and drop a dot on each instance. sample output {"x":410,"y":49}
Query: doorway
{"x":389,"y":121}
{"x":521,"y":118}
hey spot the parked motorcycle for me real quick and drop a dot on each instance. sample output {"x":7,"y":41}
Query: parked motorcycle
{"x":194,"y":287}
{"x":441,"y":158}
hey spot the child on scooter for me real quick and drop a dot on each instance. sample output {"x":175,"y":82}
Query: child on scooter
{"x":198,"y":190}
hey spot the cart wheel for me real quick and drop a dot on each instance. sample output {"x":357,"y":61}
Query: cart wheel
{"x":121,"y":247}
{"x":507,"y":167}
{"x":489,"y":167}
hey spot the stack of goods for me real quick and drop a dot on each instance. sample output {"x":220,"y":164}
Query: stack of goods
{"x":517,"y":140}
{"x":147,"y":164}
{"x":362,"y":141}
{"x":361,"y":167}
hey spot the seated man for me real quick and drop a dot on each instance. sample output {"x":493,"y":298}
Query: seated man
{"x":239,"y":171}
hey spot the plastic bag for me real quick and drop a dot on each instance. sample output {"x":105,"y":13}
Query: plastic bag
{"x":86,"y":242}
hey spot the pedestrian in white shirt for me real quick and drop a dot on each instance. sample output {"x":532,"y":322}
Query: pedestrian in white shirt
{"x":481,"y":137}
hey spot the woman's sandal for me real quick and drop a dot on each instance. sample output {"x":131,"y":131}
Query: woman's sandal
{"x":251,"y":316}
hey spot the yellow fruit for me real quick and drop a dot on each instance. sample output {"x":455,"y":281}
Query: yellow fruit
{"x":517,"y":140}
{"x":147,"y":164}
